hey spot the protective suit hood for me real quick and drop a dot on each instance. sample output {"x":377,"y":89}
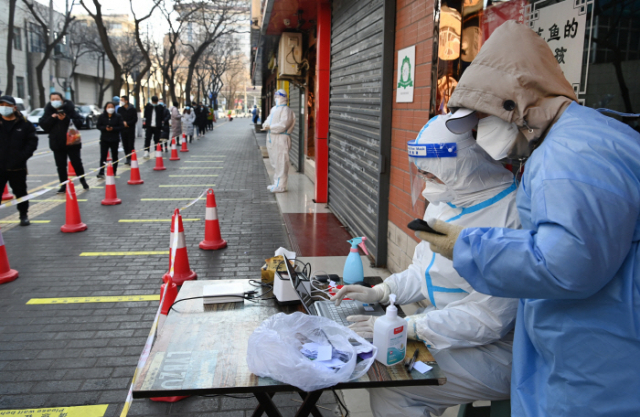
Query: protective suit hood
{"x":473,"y":176}
{"x":281,"y":98}
{"x":516,"y":77}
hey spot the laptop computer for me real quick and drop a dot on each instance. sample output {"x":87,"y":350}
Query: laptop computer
{"x":327,"y":308}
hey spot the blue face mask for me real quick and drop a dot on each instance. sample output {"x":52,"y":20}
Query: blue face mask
{"x":6,"y":110}
{"x":187,"y":108}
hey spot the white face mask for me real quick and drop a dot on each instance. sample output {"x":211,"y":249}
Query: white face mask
{"x":496,"y":136}
{"x":110,"y":110}
{"x":437,"y":193}
{"x":6,"y":111}
{"x":56,"y":103}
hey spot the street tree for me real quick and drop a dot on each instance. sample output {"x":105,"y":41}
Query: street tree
{"x":10,"y":67}
{"x":141,"y":46}
{"x":209,"y":21}
{"x":39,"y":12}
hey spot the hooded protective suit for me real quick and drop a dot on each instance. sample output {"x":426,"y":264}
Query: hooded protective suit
{"x":469,"y":333}
{"x":280,"y":125}
{"x":576,"y":259}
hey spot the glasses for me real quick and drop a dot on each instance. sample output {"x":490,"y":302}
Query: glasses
{"x":429,"y":177}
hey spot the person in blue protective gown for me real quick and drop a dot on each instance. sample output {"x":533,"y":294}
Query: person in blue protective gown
{"x":469,"y":334}
{"x":575,"y":262}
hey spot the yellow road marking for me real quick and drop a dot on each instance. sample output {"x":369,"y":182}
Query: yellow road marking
{"x":131,"y":253}
{"x":153,"y":220}
{"x":18,"y":221}
{"x":198,"y":175}
{"x":79,"y":411}
{"x":167,"y":199}
{"x":200,"y":167}
{"x":56,"y":200}
{"x":186,"y":185}
{"x":98,"y":299}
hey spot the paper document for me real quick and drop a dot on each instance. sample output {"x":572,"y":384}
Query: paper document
{"x":422,"y":367}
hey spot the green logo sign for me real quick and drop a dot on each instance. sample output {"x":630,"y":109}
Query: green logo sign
{"x":405,"y":76}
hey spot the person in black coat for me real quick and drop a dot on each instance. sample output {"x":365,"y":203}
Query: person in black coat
{"x":201,"y":119}
{"x":18,"y":141}
{"x":166,"y":119}
{"x":110,"y":125}
{"x":130,"y":118}
{"x":55,"y":121}
{"x":153,"y":119}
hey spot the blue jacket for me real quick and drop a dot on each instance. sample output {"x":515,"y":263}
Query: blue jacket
{"x":575,"y":265}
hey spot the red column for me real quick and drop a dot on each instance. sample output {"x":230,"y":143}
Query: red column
{"x":323,"y":73}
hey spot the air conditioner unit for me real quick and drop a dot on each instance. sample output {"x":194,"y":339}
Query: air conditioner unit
{"x":289,"y":55}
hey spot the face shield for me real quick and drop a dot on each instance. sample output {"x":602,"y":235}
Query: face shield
{"x":281,"y":97}
{"x":425,"y":183}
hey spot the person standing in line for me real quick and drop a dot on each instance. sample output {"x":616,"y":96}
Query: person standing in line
{"x":188,"y":117}
{"x":116,"y":101}
{"x":153,"y":116}
{"x":18,"y":142}
{"x":129,"y":116}
{"x":110,"y":124}
{"x":166,"y":126}
{"x":254,"y":112}
{"x":176,"y":121}
{"x":210,"y":119}
{"x":58,"y":114}
{"x":202,"y":120}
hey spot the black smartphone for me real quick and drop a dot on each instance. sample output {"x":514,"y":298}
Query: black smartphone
{"x":420,"y":225}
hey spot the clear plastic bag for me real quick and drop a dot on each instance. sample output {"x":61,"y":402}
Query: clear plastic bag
{"x":73,"y":135}
{"x":274,"y":351}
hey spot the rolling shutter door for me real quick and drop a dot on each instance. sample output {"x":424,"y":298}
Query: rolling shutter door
{"x":294,"y":103}
{"x":354,"y":115}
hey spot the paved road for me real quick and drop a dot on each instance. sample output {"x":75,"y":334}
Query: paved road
{"x":79,"y":354}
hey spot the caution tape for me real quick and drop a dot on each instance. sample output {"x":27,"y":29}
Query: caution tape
{"x":46,"y":190}
{"x":194,"y":201}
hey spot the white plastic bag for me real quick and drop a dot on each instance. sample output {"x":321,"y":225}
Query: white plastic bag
{"x":274,"y":351}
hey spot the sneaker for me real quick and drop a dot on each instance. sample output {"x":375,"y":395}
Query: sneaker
{"x":275,"y":190}
{"x":62,"y":189}
{"x":146,"y":154}
{"x":84,"y":183}
{"x":100,"y":176}
{"x":24,"y":220}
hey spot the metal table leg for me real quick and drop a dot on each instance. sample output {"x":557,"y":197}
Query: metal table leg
{"x":266,"y":405}
{"x":309,"y":404}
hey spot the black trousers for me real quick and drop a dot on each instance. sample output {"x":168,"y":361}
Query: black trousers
{"x":151,"y":131}
{"x":108,"y":146}
{"x":18,"y":182}
{"x":60,"y":156}
{"x":128,"y":136}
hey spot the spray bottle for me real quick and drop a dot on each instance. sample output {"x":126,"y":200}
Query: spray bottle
{"x":390,"y":335}
{"x":353,"y":271}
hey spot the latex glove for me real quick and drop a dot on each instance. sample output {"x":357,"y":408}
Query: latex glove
{"x":442,"y":244}
{"x":363,"y":325}
{"x":379,"y":293}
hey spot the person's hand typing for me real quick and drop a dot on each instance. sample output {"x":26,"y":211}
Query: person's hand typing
{"x":362,"y":325}
{"x":379,"y":293}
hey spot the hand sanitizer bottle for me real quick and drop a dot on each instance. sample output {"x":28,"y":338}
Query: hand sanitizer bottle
{"x":390,"y":335}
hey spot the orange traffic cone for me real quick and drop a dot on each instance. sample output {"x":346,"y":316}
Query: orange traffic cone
{"x":135,"y":171}
{"x":159,"y":162}
{"x":184,"y":144}
{"x":174,"y":151}
{"x":6,"y":195}
{"x":6,"y":273}
{"x":181,"y":270}
{"x":73,"y":222}
{"x":70,"y":171}
{"x":110,"y":193}
{"x":212,"y":239}
{"x":108,"y":155}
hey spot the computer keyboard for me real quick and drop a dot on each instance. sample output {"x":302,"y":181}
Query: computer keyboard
{"x":344,"y":310}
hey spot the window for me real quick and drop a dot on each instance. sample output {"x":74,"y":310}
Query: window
{"x":20,"y":86}
{"x":17,"y":39}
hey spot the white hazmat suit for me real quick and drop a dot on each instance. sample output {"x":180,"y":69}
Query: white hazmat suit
{"x":469,"y":334}
{"x":280,"y":124}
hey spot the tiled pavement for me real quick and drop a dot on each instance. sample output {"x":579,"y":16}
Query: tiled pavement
{"x":80,"y":354}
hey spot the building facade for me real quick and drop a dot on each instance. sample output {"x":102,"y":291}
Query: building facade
{"x":375,"y":71}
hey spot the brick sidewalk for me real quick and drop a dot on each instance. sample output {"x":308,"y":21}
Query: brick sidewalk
{"x":82,"y":354}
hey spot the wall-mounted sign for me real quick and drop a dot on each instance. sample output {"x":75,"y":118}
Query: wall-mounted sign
{"x":406,"y":74}
{"x":562,"y":26}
